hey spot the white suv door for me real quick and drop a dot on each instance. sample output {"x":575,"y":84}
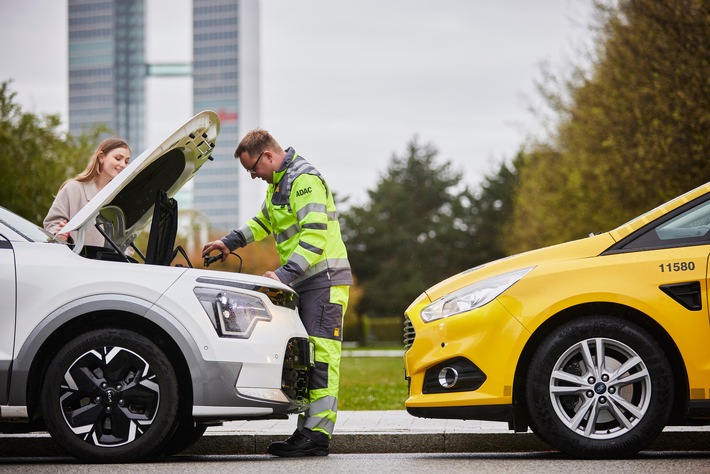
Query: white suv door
{"x":7,"y":314}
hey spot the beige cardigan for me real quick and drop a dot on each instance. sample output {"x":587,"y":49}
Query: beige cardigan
{"x":70,"y":199}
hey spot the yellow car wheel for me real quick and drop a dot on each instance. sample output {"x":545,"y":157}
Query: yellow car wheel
{"x":599,"y":387}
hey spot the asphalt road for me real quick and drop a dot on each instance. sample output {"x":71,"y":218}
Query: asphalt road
{"x":412,"y":463}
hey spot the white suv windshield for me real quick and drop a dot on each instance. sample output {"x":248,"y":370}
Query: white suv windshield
{"x":23,"y":227}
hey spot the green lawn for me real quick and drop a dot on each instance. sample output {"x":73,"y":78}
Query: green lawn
{"x":372,"y":383}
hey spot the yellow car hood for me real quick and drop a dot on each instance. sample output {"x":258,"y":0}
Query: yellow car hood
{"x":576,"y":249}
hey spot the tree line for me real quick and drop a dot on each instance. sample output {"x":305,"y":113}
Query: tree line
{"x":629,"y":130}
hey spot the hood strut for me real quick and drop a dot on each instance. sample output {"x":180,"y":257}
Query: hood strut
{"x":163,"y":231}
{"x":113,"y":245}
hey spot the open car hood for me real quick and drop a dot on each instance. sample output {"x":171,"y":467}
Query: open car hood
{"x":125,"y":205}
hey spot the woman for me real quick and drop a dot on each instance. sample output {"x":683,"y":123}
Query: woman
{"x":109,"y":159}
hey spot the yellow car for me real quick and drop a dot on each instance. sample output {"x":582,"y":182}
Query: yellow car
{"x":596,"y":344}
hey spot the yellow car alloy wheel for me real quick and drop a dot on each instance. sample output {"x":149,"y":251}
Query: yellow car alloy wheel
{"x":595,"y":380}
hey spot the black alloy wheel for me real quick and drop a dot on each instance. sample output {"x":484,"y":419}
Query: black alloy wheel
{"x":110,"y":396}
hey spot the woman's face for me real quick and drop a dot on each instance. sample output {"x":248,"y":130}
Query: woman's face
{"x":114,"y":161}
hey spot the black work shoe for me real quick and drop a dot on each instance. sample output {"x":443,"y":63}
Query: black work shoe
{"x":295,"y":437}
{"x":296,"y":446}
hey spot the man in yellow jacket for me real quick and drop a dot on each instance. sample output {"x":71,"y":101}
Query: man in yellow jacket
{"x":299,"y":211}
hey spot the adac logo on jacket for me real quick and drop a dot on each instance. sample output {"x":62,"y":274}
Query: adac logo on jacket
{"x":304,"y":191}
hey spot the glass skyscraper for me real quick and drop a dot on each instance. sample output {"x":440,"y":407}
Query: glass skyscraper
{"x":225,"y":72}
{"x":107,"y":67}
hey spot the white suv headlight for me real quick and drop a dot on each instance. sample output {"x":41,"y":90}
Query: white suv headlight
{"x":232,"y":314}
{"x":472,"y":296}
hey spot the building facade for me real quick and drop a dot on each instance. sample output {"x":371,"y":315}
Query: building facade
{"x":107,"y":67}
{"x":225,"y":71}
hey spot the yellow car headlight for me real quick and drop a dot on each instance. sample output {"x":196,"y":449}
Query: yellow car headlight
{"x":472,"y":296}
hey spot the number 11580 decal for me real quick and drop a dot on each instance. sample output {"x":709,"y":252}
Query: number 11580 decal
{"x":677,"y":267}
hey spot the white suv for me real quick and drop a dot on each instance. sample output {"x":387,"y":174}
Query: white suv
{"x":124,"y":357}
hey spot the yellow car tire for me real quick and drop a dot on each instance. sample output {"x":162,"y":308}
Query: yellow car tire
{"x":599,"y":386}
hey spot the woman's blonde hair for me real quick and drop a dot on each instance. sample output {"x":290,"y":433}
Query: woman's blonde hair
{"x":93,"y":169}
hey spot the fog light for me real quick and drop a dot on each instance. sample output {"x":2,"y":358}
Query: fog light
{"x":448,"y":377}
{"x":454,"y":375}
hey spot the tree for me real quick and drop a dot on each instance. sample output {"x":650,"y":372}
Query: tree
{"x":492,"y":209}
{"x":420,"y":226}
{"x":35,"y":157}
{"x":634,"y":131}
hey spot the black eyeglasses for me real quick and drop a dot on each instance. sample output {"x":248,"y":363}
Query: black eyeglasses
{"x":252,"y":170}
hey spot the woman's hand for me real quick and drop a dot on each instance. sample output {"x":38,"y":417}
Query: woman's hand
{"x":58,"y":228}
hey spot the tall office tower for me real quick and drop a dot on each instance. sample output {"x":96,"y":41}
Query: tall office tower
{"x":225,"y":79}
{"x":107,"y":67}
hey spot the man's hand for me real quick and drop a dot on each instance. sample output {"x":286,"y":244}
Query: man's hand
{"x":216,"y":245}
{"x":271,"y":275}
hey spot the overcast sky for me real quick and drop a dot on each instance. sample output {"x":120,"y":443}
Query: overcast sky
{"x":346,"y":83}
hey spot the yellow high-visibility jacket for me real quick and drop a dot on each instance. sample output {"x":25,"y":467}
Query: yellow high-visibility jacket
{"x":300,"y":212}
